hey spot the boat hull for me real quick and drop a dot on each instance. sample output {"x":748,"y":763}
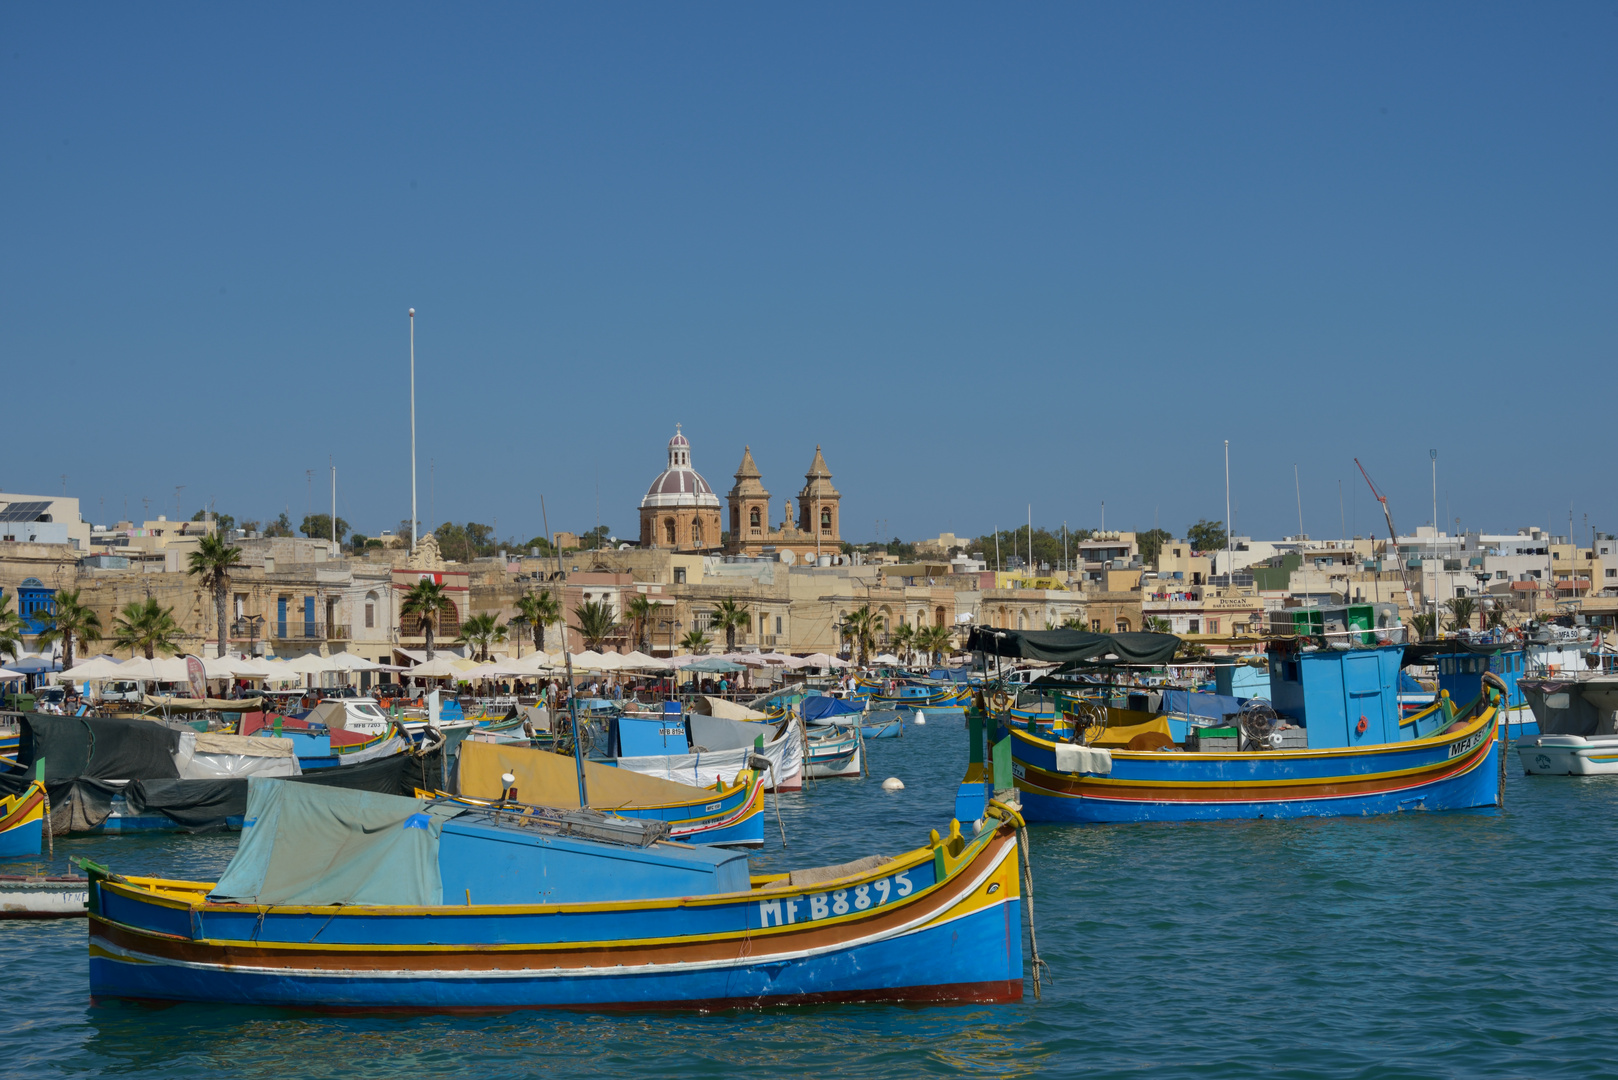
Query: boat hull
{"x":953,"y":935}
{"x":1569,"y":755}
{"x":31,"y":897}
{"x":22,"y":819}
{"x":1454,"y":771}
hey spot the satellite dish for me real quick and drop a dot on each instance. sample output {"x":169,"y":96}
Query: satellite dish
{"x":787,"y":557}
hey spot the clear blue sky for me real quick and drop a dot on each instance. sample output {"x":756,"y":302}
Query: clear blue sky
{"x":984,"y":255}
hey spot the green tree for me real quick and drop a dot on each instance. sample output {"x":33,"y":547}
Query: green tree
{"x":902,"y":640}
{"x":318,"y":527}
{"x":211,"y":564}
{"x":482,"y":632}
{"x":226,"y":522}
{"x":1422,"y":623}
{"x":539,"y":610}
{"x":1461,"y":610}
{"x":937,"y":640}
{"x":596,"y":622}
{"x":70,"y":621}
{"x":1156,"y":624}
{"x":428,"y":604}
{"x":1150,"y":543}
{"x":544,"y":545}
{"x":1047,"y":545}
{"x":148,"y":626}
{"x":730,"y":617}
{"x":860,"y":627}
{"x":642,"y":608}
{"x":281,"y":526}
{"x":695,"y":641}
{"x":1206,"y":535}
{"x":11,"y":626}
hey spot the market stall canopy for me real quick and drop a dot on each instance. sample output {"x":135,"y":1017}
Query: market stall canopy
{"x":311,"y":664}
{"x":1079,"y":647}
{"x":639,"y":661}
{"x":96,"y":667}
{"x":156,"y":670}
{"x":439,"y":667}
{"x":714,"y":665}
{"x":590,"y":660}
{"x":34,"y":664}
{"x":347,"y":661}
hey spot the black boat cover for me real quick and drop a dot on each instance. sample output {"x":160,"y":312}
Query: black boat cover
{"x":1075,"y":647}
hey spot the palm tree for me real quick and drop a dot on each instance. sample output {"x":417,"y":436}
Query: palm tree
{"x":730,"y":616}
{"x":860,"y":627}
{"x":211,"y":564}
{"x":482,"y":631}
{"x":641,"y":608}
{"x":1422,"y":623}
{"x":428,"y":603}
{"x":902,"y":639}
{"x":1496,"y":616}
{"x":1156,"y":624}
{"x":1074,"y":622}
{"x":1461,"y":609}
{"x":597,"y":623}
{"x":148,"y":626}
{"x":937,"y":640}
{"x":10,"y":629}
{"x":695,"y":641}
{"x":537,"y":611}
{"x":70,"y":621}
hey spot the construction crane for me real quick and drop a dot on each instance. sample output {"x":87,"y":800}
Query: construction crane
{"x":1393,"y":535}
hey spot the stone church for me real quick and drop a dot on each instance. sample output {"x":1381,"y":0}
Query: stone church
{"x":816,"y":530}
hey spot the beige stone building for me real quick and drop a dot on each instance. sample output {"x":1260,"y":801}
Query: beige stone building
{"x":814,"y":533}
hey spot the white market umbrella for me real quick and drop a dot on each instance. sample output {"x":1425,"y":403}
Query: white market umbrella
{"x":97,"y":667}
{"x":7,"y":675}
{"x":439,"y":667}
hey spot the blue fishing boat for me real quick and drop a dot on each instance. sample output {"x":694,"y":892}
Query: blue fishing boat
{"x":1461,"y":667}
{"x":846,"y":714}
{"x":838,"y":754}
{"x":22,"y":819}
{"x":1360,"y":756}
{"x":728,"y":813}
{"x":442,"y":907}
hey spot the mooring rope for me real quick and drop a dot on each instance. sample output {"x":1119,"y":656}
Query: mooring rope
{"x":1028,"y":889}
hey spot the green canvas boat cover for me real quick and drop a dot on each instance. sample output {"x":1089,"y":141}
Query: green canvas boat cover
{"x":307,"y":844}
{"x":1076,"y":647}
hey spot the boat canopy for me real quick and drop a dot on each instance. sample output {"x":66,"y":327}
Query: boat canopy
{"x":1076,"y":647}
{"x":817,"y":708}
{"x":303,"y":844}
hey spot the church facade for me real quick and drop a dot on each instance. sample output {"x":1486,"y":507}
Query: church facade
{"x":814,"y":531}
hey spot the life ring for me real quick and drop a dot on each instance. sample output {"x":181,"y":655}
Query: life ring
{"x":1359,"y":728}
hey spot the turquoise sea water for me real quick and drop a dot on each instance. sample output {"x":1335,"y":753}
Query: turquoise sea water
{"x":1424,"y":945}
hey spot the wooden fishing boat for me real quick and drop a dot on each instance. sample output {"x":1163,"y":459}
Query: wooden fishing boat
{"x":22,"y":819}
{"x":450,"y":908}
{"x":836,"y":755}
{"x":727,"y":814}
{"x":38,"y":896}
{"x":1362,"y":756}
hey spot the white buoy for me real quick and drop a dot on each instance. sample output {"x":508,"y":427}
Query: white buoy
{"x":893,"y":783}
{"x":920,"y":719}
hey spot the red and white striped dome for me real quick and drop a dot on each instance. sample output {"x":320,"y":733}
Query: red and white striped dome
{"x":680,"y":485}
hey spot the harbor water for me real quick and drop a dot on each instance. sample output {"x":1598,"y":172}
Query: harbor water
{"x":1420,"y":945}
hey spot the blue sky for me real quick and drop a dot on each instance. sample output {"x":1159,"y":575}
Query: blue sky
{"x":985,"y":256}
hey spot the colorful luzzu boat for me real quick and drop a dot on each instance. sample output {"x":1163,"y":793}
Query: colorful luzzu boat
{"x":22,"y":820}
{"x":448,"y":908}
{"x":727,"y":813}
{"x":1361,"y":757}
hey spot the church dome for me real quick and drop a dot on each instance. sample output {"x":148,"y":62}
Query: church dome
{"x":680,"y":485}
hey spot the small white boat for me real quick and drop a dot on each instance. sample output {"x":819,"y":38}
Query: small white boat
{"x":1578,"y":721}
{"x":33,"y":896}
{"x":1569,"y":755}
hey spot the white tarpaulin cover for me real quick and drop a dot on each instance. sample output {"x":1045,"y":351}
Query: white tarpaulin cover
{"x":209,"y":756}
{"x":729,"y":710}
{"x":705,"y":770}
{"x":1071,"y":758}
